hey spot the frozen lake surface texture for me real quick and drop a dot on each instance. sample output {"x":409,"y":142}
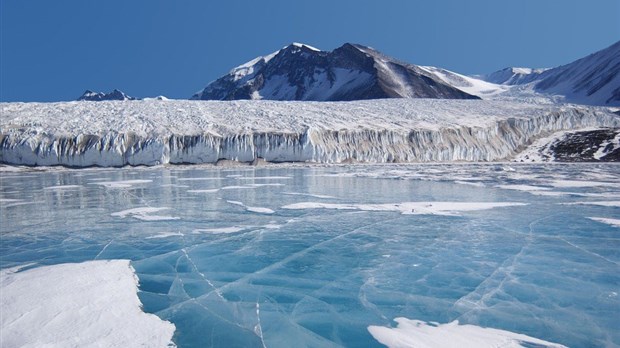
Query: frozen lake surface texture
{"x":282,"y":256}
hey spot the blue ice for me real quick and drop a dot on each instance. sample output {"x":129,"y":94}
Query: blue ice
{"x":219,"y":254}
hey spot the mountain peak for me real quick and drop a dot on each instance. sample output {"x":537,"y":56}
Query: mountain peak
{"x":593,"y":80}
{"x":512,"y":76}
{"x":350,"y":72}
{"x":302,"y":45}
{"x":116,"y":94}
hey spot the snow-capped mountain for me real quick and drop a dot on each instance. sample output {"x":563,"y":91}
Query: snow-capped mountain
{"x":350,"y":72}
{"x":512,"y":76}
{"x":159,"y":97}
{"x":467,"y":84}
{"x":592,"y":80}
{"x":100,"y":96}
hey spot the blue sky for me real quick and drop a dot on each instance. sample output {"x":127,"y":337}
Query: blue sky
{"x":54,"y":50}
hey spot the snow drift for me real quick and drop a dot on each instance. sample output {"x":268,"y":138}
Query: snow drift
{"x":116,"y":133}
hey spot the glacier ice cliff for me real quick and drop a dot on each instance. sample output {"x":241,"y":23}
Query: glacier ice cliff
{"x":117,"y":133}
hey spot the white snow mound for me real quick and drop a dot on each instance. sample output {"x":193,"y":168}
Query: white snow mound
{"x":92,"y":304}
{"x":419,"y":334}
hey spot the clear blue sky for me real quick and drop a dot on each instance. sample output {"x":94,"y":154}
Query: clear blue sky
{"x":54,"y":50}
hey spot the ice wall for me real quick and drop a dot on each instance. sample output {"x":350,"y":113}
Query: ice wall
{"x":412,"y":140}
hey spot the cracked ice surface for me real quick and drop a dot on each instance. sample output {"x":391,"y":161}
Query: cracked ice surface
{"x":237,"y":267}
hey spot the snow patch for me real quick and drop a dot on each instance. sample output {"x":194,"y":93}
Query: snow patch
{"x":599,"y":203}
{"x":419,"y":334}
{"x":526,"y":188}
{"x":143,"y":214}
{"x":166,"y":235}
{"x":416,"y":208}
{"x":63,"y":187}
{"x":300,"y":45}
{"x":607,"y":147}
{"x":203,"y":191}
{"x":259,"y":210}
{"x":92,"y":303}
{"x":612,"y":222}
{"x":577,"y":183}
{"x":220,"y":230}
{"x":122,"y":183}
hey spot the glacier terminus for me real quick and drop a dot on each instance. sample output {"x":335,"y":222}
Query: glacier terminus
{"x":154,"y":132}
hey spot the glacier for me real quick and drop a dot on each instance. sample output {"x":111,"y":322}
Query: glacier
{"x":153,"y":132}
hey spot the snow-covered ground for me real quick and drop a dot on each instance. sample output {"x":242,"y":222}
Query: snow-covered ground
{"x":89,"y":304}
{"x":390,"y":130}
{"x":583,"y":145}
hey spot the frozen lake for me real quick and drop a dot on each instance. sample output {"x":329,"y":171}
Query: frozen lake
{"x":314,"y":256}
